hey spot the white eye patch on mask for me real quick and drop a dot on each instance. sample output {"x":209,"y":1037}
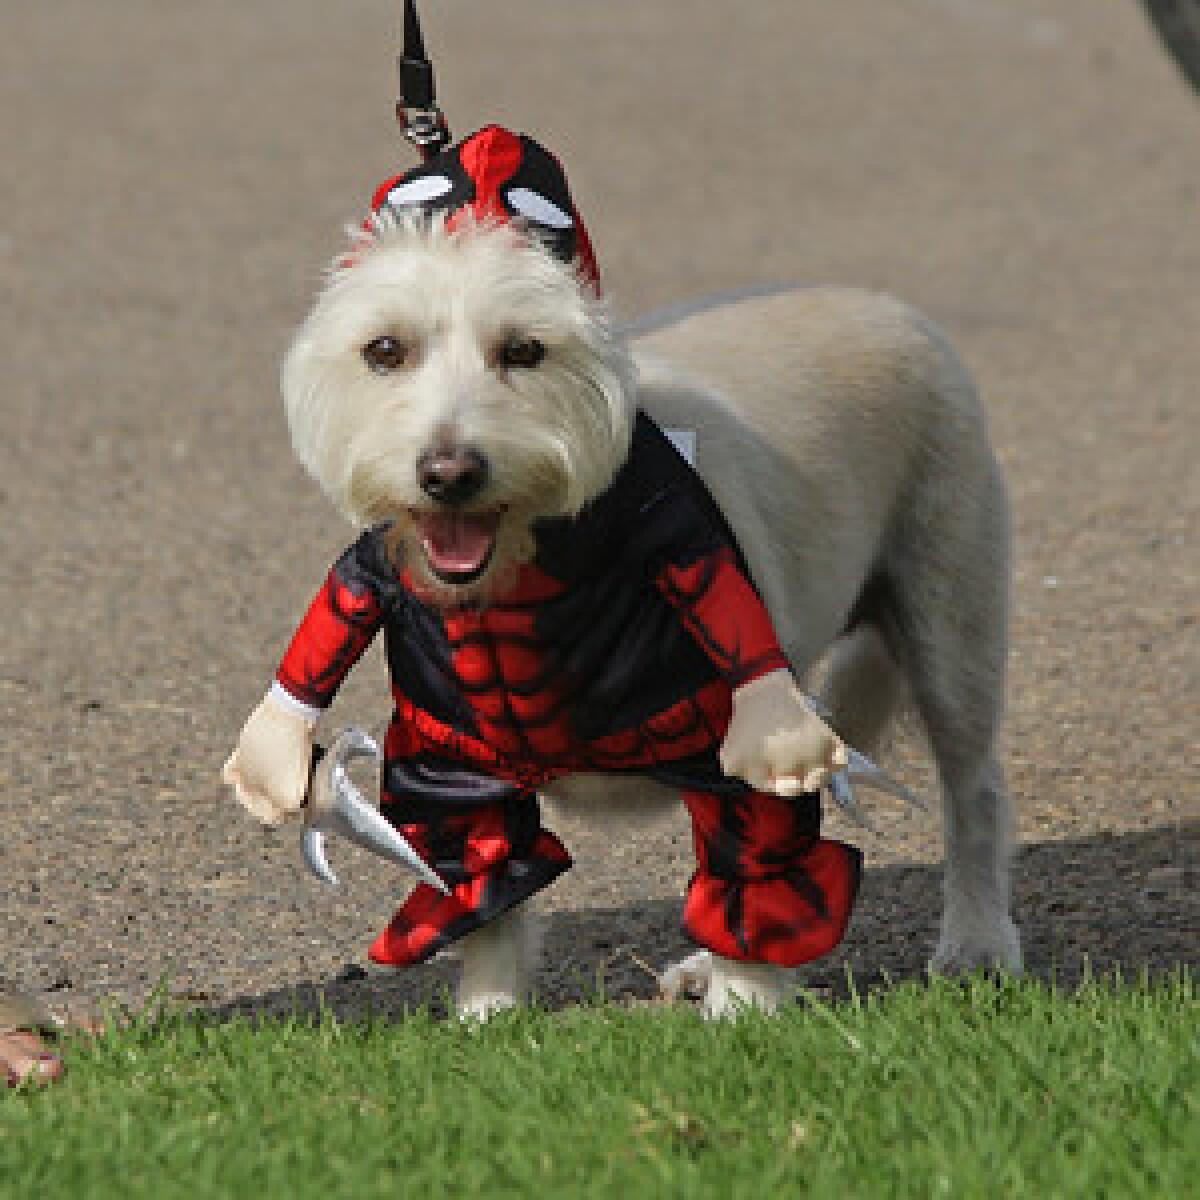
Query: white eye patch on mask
{"x":534,"y":206}
{"x":419,"y":191}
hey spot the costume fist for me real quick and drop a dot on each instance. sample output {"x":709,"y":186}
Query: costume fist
{"x":269,"y":769}
{"x":776,"y":742}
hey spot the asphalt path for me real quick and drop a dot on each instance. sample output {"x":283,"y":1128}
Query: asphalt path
{"x":174,"y":177}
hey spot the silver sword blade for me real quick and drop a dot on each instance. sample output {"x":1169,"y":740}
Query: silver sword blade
{"x":861,"y":770}
{"x":337,"y":806}
{"x":312,"y":846}
{"x":842,"y":792}
{"x":363,"y":824}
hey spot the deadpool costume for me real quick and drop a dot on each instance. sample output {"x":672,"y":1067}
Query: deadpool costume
{"x":616,"y":649}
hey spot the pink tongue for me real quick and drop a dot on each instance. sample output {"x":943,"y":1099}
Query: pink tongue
{"x":458,"y":543}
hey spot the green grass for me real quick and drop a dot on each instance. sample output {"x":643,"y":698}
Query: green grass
{"x":960,"y":1090}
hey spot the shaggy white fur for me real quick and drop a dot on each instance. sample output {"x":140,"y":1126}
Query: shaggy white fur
{"x":554,"y":436}
{"x":836,"y":429}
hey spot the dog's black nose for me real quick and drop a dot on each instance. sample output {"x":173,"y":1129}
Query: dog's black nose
{"x":452,"y":476}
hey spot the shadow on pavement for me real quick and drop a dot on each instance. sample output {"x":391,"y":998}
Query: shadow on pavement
{"x":1097,"y":905}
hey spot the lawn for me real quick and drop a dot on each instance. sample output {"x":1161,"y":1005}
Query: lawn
{"x":955,"y":1089}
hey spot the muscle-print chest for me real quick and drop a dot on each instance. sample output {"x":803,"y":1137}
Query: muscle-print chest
{"x":549,"y":667}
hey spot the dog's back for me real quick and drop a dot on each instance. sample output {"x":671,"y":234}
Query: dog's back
{"x":820,"y":415}
{"x":846,"y":445}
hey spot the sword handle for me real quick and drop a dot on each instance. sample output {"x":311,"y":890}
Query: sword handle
{"x":318,"y":753}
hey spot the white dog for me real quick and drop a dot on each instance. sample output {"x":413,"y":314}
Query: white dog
{"x":462,"y":385}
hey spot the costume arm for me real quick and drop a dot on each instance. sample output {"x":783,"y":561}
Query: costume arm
{"x":673,"y":524}
{"x":719,"y":607}
{"x":338,"y":627}
{"x":774,"y":740}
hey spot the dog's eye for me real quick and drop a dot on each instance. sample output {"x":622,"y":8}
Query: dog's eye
{"x":521,"y":352}
{"x":384,"y":354}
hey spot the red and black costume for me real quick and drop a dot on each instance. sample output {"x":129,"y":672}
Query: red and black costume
{"x":616,"y":649}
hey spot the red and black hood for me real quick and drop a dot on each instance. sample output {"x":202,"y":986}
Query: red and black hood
{"x":496,"y":175}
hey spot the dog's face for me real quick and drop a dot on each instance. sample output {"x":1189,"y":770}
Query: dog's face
{"x":461,"y":385}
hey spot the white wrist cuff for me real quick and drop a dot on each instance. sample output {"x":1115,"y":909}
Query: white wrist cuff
{"x":283,"y":696}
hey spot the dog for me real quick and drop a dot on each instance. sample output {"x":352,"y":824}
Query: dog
{"x":460,"y":391}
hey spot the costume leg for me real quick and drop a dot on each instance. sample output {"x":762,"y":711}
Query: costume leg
{"x":493,"y":856}
{"x":767,"y":888}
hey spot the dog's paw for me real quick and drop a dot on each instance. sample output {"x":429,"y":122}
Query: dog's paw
{"x":735,"y":987}
{"x":725,"y":988}
{"x":482,"y":1006}
{"x":688,"y":979}
{"x":970,"y":946}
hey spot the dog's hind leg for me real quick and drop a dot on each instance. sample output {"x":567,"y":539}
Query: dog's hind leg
{"x":977,"y":928}
{"x":949,"y":604}
{"x":862,"y":687}
{"x":498,"y":962}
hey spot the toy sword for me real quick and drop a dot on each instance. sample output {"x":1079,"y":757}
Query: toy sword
{"x":335,"y":805}
{"x":861,"y":770}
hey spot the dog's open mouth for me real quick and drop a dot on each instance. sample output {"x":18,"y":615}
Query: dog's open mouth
{"x":458,"y":545}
